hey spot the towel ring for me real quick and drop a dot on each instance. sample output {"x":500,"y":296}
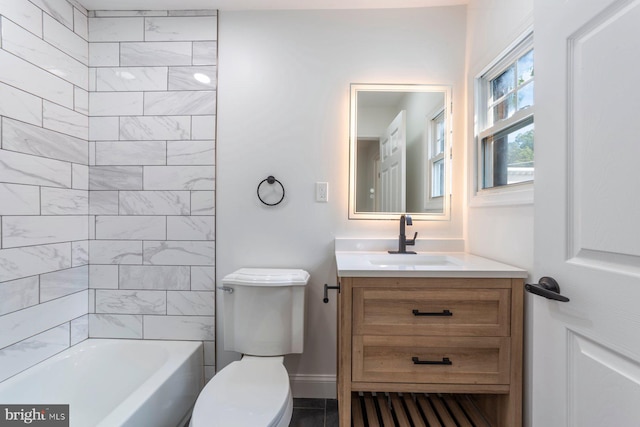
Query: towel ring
{"x":270,"y":180}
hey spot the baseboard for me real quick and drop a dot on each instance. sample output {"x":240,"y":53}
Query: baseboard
{"x":313,"y":386}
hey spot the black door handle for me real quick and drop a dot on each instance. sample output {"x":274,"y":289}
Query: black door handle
{"x":547,"y":287}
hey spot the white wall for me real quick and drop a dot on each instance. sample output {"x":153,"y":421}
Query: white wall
{"x":283,"y":109}
{"x":503,"y":233}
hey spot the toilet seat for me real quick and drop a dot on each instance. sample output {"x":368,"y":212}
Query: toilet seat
{"x":253,"y":392}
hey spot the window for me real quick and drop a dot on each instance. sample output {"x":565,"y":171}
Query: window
{"x":436,"y":155}
{"x":505,"y":120}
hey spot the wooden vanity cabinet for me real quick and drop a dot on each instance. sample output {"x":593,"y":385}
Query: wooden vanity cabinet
{"x":447,"y":337}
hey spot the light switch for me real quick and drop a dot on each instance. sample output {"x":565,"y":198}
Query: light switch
{"x":322,"y":191}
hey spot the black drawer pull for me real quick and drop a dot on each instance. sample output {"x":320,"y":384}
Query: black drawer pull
{"x":426,"y":313}
{"x":444,"y":361}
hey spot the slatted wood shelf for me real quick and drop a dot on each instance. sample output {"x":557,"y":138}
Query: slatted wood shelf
{"x":415,"y":410}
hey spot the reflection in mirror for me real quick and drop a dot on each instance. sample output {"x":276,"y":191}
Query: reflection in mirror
{"x":400,"y":137}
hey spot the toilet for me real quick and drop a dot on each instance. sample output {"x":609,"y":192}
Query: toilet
{"x":263,"y":311}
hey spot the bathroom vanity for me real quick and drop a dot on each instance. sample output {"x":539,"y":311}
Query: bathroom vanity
{"x":429,"y":337}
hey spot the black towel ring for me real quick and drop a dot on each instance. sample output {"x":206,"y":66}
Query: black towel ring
{"x":270,"y":180}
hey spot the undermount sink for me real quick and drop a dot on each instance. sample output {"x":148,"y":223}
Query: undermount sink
{"x":382,"y":260}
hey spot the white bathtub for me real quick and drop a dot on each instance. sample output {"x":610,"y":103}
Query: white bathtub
{"x":111,"y":383}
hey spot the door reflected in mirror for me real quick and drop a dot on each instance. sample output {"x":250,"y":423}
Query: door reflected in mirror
{"x":399,"y":151}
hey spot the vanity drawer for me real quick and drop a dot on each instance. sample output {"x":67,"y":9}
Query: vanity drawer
{"x":439,"y":360}
{"x":431,"y":312}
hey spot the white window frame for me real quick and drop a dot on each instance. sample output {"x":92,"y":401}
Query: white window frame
{"x":434,"y":156}
{"x":512,"y":194}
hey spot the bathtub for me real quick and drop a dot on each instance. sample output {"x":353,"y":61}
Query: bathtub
{"x":111,"y":383}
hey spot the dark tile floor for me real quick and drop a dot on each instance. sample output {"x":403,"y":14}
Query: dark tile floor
{"x":314,"y":413}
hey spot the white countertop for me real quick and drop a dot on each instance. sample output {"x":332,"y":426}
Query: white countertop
{"x":424,"y":264}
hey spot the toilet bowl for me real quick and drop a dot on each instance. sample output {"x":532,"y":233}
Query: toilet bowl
{"x":252,"y":392}
{"x":264,"y":320}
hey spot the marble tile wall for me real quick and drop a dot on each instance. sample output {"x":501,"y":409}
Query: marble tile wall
{"x":44,"y":180}
{"x":107,"y":175}
{"x":152,"y":108}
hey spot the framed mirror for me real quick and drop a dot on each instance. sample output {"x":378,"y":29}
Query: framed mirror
{"x":400,"y":151}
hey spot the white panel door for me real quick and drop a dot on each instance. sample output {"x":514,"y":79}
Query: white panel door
{"x":586,"y":352}
{"x":393,"y":149}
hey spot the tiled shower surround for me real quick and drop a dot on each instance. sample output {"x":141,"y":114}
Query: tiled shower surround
{"x":106,"y":178}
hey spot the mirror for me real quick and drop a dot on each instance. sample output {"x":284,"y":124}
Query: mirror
{"x":400,"y":147}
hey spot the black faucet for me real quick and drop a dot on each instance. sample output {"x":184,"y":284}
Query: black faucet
{"x":403,"y":242}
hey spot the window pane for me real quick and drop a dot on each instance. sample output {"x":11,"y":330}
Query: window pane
{"x":525,"y":96}
{"x":525,"y":67}
{"x":508,"y":156}
{"x":503,"y":84}
{"x":437,"y":189}
{"x":505,"y":109}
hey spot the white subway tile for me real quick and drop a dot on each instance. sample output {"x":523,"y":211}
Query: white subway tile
{"x":25,"y":169}
{"x":66,"y":40}
{"x":81,"y":100}
{"x":60,"y":10}
{"x":92,"y":301}
{"x":115,"y":252}
{"x":104,"y":128}
{"x":80,"y":24}
{"x":179,"y":327}
{"x":205,"y":53}
{"x":131,"y":302}
{"x":79,"y":329}
{"x":32,"y":48}
{"x":66,"y":121}
{"x":104,"y":54}
{"x":29,"y":139}
{"x":192,"y":12}
{"x":41,"y":230}
{"x":155,"y":128}
{"x":116,"y":103}
{"x":203,"y":203}
{"x":59,"y":201}
{"x":181,"y":28}
{"x":23,"y":75}
{"x":24,"y":14}
{"x":131,"y":79}
{"x":19,"y":199}
{"x":123,"y":29}
{"x":18,"y":294}
{"x":93,"y":77}
{"x":79,"y":253}
{"x":190,"y":303}
{"x":191,"y":152}
{"x":33,"y":350}
{"x":131,"y":227}
{"x":155,"y":53}
{"x":154,"y":277}
{"x":80,"y":176}
{"x":154,"y":202}
{"x":20,"y":105}
{"x":63,"y":282}
{"x":103,"y":202}
{"x":203,"y":278}
{"x":179,"y":253}
{"x":92,"y":228}
{"x":192,"y":78}
{"x":92,"y":151}
{"x":115,"y":326}
{"x":131,"y":153}
{"x":103,"y":276}
{"x":190,"y":228}
{"x":31,"y":260}
{"x":179,"y":177}
{"x":22,"y":324}
{"x":115,"y":178}
{"x":203,"y":127}
{"x":180,"y":103}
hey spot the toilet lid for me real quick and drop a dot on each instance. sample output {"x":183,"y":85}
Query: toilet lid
{"x":252,"y":392}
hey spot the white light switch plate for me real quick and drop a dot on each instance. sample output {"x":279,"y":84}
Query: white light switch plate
{"x":322,"y":191}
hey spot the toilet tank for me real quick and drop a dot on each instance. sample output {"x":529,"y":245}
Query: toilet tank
{"x":263,"y":311}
